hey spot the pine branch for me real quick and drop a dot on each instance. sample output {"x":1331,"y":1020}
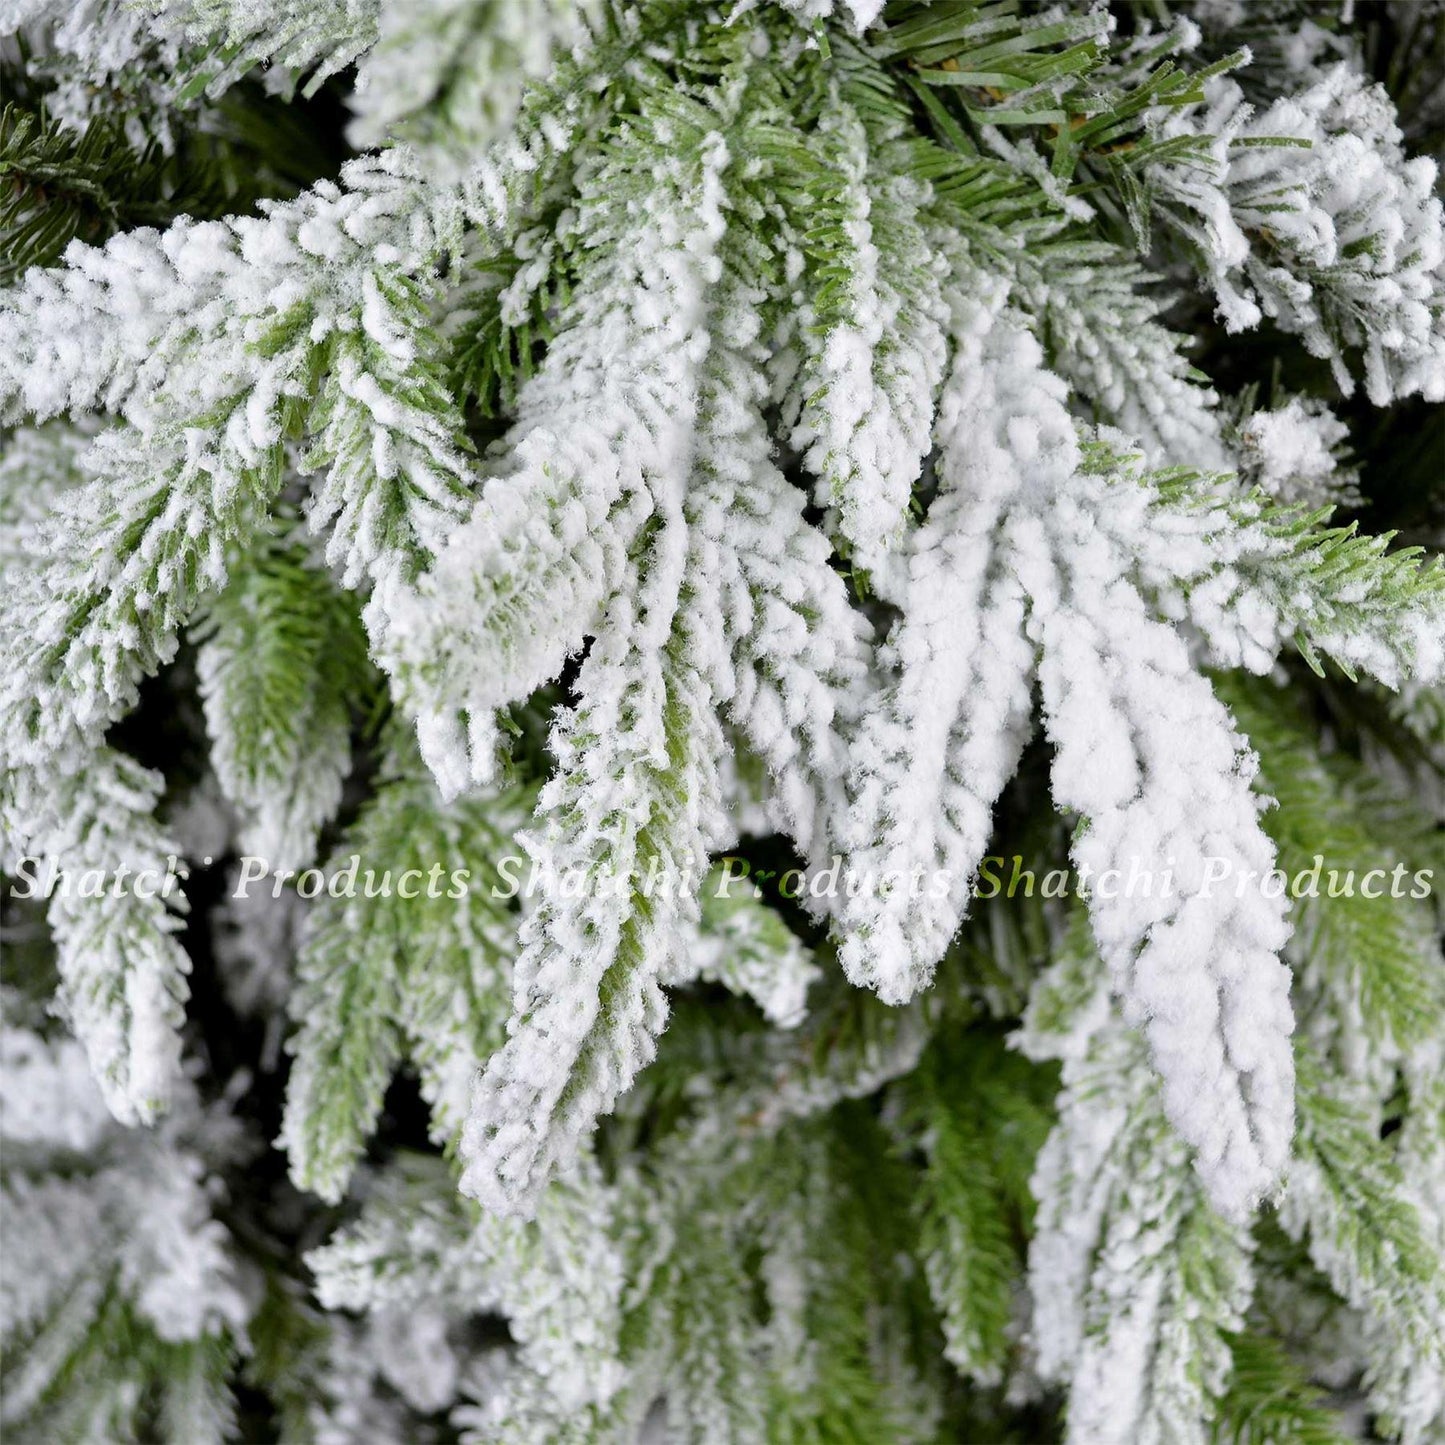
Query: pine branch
{"x":1249,"y":573}
{"x":695,"y":400}
{"x":282,"y":665}
{"x":56,"y":186}
{"x":313,"y":40}
{"x":1345,"y":1190}
{"x":448,"y":75}
{"x":122,"y":969}
{"x":1025,"y":64}
{"x":1270,"y":1399}
{"x":976,"y":1111}
{"x":409,"y":956}
{"x":128,"y":1320}
{"x":1137,"y":1284}
{"x":63,"y":182}
{"x":1376,"y":958}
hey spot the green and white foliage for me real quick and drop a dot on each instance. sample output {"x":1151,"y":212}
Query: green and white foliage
{"x":1366,"y":962}
{"x":281,"y":661}
{"x":132,"y":1325}
{"x":1099,"y":324}
{"x":979,"y":1114}
{"x":448,"y":75}
{"x":413,"y":960}
{"x":1136,"y":1281}
{"x":1378,"y":1247}
{"x":1373,"y":1004}
{"x":1363,"y":1211}
{"x":875,"y":343}
{"x":99,"y":57}
{"x":746,"y":947}
{"x":38,"y":464}
{"x":1352,"y":229}
{"x":1270,"y":1397}
{"x":610,"y":512}
{"x":122,"y":971}
{"x":740,"y":1290}
{"x":1022,"y":537}
{"x":558,"y":1278}
{"x":1407,"y":1380}
{"x":1292,"y":452}
{"x":311,"y":41}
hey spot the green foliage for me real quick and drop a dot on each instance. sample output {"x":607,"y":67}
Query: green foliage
{"x":1270,"y":1400}
{"x":122,"y":576}
{"x":1364,"y":1231}
{"x":387,"y":435}
{"x":61,"y":182}
{"x":1344,"y":594}
{"x":282,"y":668}
{"x":1137,"y":1283}
{"x":808,"y":1226}
{"x":111,"y":1377}
{"x":495,"y":336}
{"x":1377,"y":955}
{"x":56,"y":186}
{"x":980,"y":1113}
{"x":410,"y":958}
{"x":999,"y":66}
{"x":312,"y":40}
{"x":1066,"y":998}
{"x":127,"y":1320}
{"x":990,"y":50}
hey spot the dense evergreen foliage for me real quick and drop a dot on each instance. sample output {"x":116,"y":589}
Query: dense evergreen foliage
{"x":722,"y":722}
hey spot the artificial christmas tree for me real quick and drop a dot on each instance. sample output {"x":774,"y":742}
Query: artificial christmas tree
{"x":722,"y":723}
